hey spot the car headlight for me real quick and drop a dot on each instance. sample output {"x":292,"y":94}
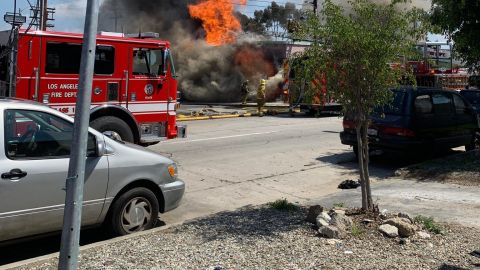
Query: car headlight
{"x":172,"y":170}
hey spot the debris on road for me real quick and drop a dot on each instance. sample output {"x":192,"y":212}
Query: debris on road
{"x":349,"y":184}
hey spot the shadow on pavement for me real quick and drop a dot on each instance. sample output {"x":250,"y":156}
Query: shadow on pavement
{"x":248,"y":223}
{"x":450,"y":267}
{"x":303,"y":115}
{"x":383,"y":165}
{"x":47,"y":244}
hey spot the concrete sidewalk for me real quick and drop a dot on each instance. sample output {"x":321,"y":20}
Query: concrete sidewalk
{"x":444,"y":202}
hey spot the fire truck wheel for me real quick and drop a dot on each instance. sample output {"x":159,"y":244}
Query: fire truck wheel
{"x":113,"y":127}
{"x":135,"y":210}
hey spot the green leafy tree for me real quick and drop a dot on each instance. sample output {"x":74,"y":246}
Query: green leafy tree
{"x":273,"y":19}
{"x":355,"y":50}
{"x":460,"y":20}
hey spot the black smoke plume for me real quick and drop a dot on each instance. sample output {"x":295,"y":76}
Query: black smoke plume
{"x":206,"y":73}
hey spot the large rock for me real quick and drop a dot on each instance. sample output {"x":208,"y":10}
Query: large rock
{"x":323,"y":219}
{"x":313,"y":213}
{"x":388,"y":230}
{"x":325,"y":216}
{"x":331,"y":232}
{"x":337,"y":211}
{"x":320,"y":221}
{"x":406,"y":216}
{"x":341,"y":221}
{"x":405,"y":229}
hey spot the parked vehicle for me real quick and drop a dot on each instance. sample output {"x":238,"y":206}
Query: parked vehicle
{"x":418,"y":119}
{"x":134,"y":91}
{"x":126,"y":186}
{"x":437,"y":68}
{"x":473,"y":97}
{"x":310,"y":97}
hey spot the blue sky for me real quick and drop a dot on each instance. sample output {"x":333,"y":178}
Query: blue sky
{"x":70,"y":14}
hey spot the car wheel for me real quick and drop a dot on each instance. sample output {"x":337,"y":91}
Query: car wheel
{"x":135,"y":210}
{"x":475,"y":144}
{"x":113,"y":127}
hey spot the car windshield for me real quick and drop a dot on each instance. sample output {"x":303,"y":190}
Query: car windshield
{"x":395,"y":106}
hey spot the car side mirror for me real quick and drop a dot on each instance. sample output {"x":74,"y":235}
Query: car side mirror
{"x":95,"y":146}
{"x":100,"y":147}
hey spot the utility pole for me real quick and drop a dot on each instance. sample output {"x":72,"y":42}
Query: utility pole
{"x":76,"y":168}
{"x":42,"y":14}
{"x":16,"y":20}
{"x":42,"y":21}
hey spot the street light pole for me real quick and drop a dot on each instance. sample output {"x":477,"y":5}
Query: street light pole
{"x":76,"y":170}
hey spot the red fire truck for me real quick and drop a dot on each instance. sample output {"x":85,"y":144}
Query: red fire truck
{"x":134,"y":93}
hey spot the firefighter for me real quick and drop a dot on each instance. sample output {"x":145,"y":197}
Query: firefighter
{"x":261,"y":96}
{"x":244,"y":90}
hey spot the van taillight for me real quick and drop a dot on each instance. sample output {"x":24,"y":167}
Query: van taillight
{"x":348,"y":124}
{"x":405,"y":132}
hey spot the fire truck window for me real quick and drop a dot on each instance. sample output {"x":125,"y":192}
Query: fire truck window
{"x":171,"y":64}
{"x":104,"y":60}
{"x":147,"y":62}
{"x":63,"y":58}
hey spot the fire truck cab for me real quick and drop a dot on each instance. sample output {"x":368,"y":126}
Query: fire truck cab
{"x":134,"y":93}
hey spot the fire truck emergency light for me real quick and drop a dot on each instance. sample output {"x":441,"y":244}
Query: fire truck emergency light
{"x":14,"y":18}
{"x":143,"y":35}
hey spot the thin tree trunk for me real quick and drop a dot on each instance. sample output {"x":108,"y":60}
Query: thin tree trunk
{"x":361,"y":163}
{"x":365,"y":166}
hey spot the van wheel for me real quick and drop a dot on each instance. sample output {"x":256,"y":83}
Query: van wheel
{"x":134,"y":211}
{"x":475,"y":143}
{"x":113,"y":127}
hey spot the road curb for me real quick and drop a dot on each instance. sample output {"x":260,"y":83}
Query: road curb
{"x":223,"y":116}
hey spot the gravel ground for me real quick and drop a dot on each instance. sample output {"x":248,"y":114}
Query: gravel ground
{"x":265,"y":238}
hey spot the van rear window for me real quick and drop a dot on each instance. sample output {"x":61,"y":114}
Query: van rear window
{"x":395,"y":106}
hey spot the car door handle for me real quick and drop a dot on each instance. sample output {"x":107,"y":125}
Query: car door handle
{"x":14,"y":174}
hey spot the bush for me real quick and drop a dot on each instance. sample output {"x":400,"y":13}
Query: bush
{"x":429,"y":224}
{"x":357,"y":230}
{"x":283,"y":205}
{"x":339,"y":204}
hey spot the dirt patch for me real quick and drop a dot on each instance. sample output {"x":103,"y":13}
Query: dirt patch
{"x":461,"y":169}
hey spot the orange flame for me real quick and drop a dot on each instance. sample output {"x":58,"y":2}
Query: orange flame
{"x":218,"y":20}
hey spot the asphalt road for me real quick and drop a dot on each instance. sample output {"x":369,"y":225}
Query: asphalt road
{"x":230,"y":163}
